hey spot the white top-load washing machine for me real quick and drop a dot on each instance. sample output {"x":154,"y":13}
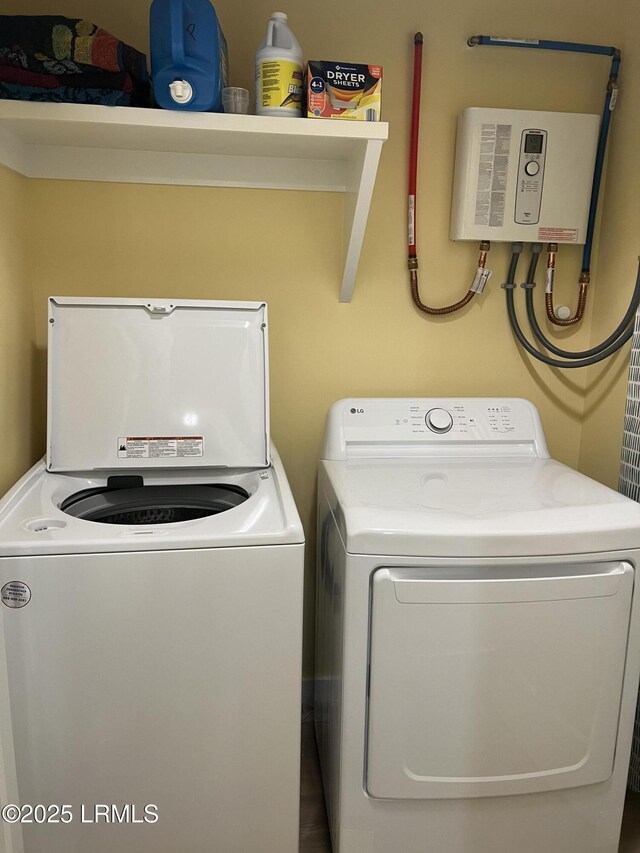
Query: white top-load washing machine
{"x":478,"y":641}
{"x":151,"y":583}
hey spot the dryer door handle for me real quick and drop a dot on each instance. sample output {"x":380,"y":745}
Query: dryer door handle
{"x":520,"y":585}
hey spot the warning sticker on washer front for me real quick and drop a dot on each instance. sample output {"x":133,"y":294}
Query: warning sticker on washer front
{"x":160,"y":447}
{"x":15,"y":594}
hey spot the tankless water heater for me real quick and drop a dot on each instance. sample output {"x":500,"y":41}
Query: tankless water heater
{"x":523,"y":176}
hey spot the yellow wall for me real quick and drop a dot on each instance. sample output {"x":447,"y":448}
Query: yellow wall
{"x":20,"y":402}
{"x":617,"y":265}
{"x":117,"y":240}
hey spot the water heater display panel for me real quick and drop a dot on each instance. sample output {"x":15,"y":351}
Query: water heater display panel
{"x":533,"y":149}
{"x":523,"y":175}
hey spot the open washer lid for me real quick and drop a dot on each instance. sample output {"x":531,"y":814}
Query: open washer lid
{"x":157,"y":383}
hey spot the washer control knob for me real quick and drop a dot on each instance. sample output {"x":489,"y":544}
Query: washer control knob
{"x":532,"y":168}
{"x":438,"y":420}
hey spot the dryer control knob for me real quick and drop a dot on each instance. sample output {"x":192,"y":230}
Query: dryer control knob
{"x":438,"y":420}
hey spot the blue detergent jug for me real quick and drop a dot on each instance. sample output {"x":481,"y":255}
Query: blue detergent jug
{"x":189,"y":59}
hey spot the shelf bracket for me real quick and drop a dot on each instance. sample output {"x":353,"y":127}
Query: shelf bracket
{"x":359,"y":190}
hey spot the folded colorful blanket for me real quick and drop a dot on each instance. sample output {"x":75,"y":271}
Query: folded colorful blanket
{"x":49,"y":57}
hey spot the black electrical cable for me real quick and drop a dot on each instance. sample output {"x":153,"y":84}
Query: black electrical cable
{"x":613,"y":337}
{"x":513,"y":264}
{"x":552,"y":362}
{"x":536,"y":248}
{"x":595,"y":357}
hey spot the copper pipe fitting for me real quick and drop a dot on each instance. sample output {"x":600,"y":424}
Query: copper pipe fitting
{"x":447,"y":309}
{"x":570,"y":321}
{"x":548,"y":297}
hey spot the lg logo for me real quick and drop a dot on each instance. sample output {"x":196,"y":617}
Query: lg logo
{"x":357,"y":411}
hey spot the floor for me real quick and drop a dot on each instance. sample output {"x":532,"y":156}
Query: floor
{"x":630,"y":839}
{"x":314,"y":834}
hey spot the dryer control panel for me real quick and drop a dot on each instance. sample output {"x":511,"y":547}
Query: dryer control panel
{"x":386,"y":427}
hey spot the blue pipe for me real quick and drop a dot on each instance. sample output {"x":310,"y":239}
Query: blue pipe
{"x":575,"y":47}
{"x":597,"y":178}
{"x":542,"y":44}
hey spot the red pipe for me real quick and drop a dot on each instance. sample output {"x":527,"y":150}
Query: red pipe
{"x":415,"y":131}
{"x":413,"y":175}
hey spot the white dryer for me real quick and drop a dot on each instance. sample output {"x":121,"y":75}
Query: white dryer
{"x":478,"y":637}
{"x":151,"y":584}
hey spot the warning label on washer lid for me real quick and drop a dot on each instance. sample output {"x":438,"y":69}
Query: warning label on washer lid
{"x":160,"y":446}
{"x":15,"y":594}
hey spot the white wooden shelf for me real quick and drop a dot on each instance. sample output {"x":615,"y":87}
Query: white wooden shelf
{"x":132,"y":145}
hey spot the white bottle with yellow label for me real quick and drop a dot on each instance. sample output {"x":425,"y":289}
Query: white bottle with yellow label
{"x":279,"y":80}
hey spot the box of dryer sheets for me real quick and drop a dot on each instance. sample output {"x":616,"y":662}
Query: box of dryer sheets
{"x":344,"y":90}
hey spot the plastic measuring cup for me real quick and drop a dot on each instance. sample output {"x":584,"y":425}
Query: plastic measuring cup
{"x":235,"y":100}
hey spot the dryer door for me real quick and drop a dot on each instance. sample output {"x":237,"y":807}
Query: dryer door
{"x":489,"y":682}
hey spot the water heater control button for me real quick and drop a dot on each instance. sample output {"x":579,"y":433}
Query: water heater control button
{"x":438,"y":420}
{"x":532,"y":168}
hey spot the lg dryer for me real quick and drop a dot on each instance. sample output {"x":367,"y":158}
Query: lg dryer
{"x":151,"y":576}
{"x":478,"y":641}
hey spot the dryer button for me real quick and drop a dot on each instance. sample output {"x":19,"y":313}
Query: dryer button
{"x":438,"y":420}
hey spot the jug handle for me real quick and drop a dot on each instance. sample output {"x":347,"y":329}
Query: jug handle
{"x":176,"y":19}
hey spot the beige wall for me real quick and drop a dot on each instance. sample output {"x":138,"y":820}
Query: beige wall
{"x":99,"y":239}
{"x":617,"y":264}
{"x":20,"y":403}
